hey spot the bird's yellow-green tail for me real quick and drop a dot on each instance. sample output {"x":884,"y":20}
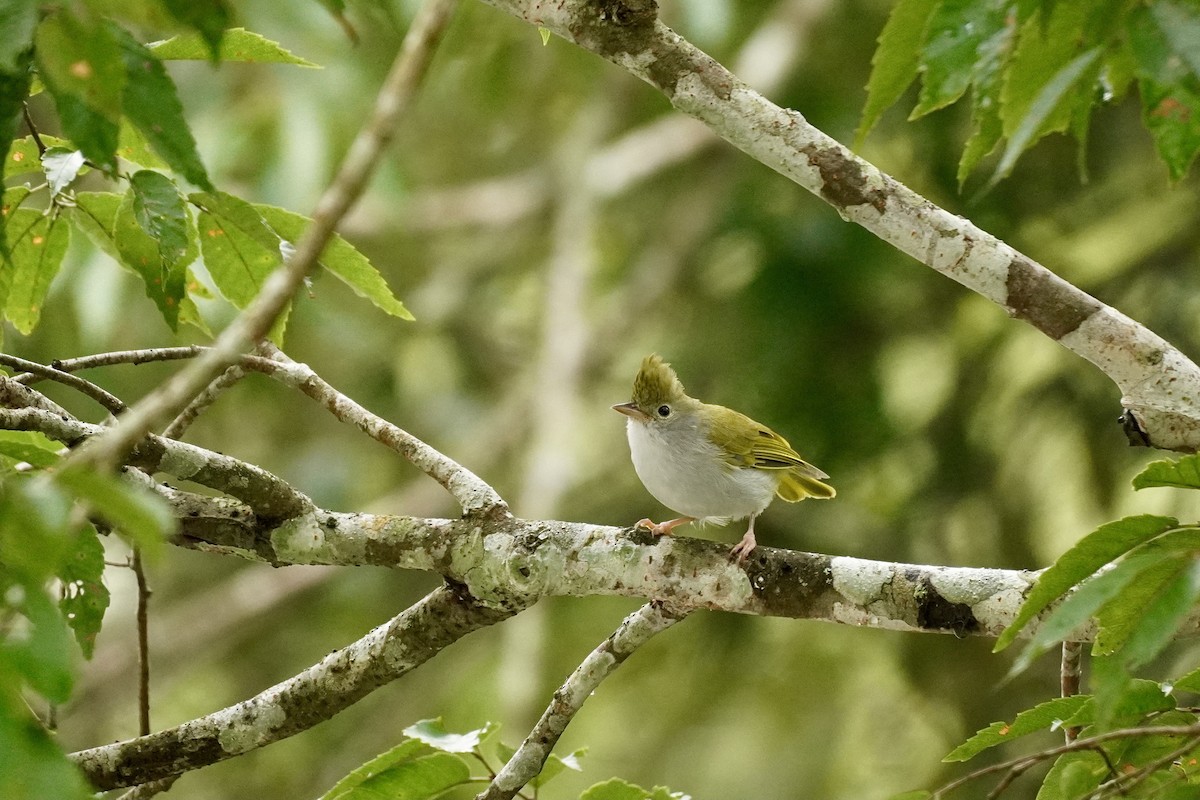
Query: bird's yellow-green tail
{"x":795,"y":486}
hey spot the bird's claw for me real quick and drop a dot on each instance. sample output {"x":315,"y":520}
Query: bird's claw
{"x":656,"y":528}
{"x":741,"y":551}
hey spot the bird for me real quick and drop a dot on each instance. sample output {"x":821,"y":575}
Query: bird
{"x":706,"y":462}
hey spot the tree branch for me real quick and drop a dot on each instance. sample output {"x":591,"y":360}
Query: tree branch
{"x":109,"y":401}
{"x":527,"y":762}
{"x":1158,"y":382}
{"x":339,"y":680}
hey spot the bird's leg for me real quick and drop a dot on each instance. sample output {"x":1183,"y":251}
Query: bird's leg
{"x":743,"y":548}
{"x":663,"y":528}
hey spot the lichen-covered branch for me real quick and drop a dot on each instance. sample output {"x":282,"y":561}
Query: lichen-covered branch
{"x":297,"y":704}
{"x":527,"y":762}
{"x":1159,"y":384}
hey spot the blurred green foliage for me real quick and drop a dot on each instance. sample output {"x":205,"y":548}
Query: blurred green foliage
{"x":511,"y":218}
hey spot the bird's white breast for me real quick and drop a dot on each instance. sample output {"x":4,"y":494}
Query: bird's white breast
{"x":685,"y":472}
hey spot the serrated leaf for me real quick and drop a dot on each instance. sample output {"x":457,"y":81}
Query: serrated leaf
{"x":986,"y":126}
{"x":955,"y":32}
{"x":142,"y":252}
{"x":1055,"y":98}
{"x":208,"y":18}
{"x":153,"y":107}
{"x":30,"y":447}
{"x":555,"y":765}
{"x":341,"y":258}
{"x":95,"y":213}
{"x":1072,"y":775}
{"x":1163,"y":616}
{"x":1180,"y":24}
{"x":134,"y":148}
{"x":617,"y":789}
{"x":36,"y":245}
{"x":894,"y":65}
{"x":1130,"y":699}
{"x":1043,"y":716}
{"x":80,"y":63}
{"x":61,"y":166}
{"x":1170,"y":93}
{"x":84,"y":595}
{"x":238,"y":44}
{"x":135,"y":511}
{"x":409,"y":771}
{"x":1182,"y":473}
{"x":1189,"y":682}
{"x":434,"y":734}
{"x":1093,"y":551}
{"x":1121,"y":617}
{"x":239,"y":248}
{"x":161,"y":212}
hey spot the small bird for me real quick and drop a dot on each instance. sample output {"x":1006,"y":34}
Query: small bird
{"x":707,"y":462}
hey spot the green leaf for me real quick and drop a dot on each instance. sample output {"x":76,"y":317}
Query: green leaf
{"x":916,"y":794}
{"x":555,"y":765}
{"x":1183,"y":473}
{"x":956,"y":31}
{"x":135,"y":149}
{"x":34,"y":536}
{"x":209,"y":18}
{"x":1120,"y":617}
{"x":1043,"y":115}
{"x":617,"y":789}
{"x":85,"y":597}
{"x":1073,"y":775}
{"x":409,"y":771}
{"x":545,"y":34}
{"x":32,"y":765}
{"x":153,"y":107}
{"x":31,"y":447}
{"x":1170,"y":93}
{"x":61,"y":166}
{"x":144,"y":254}
{"x":240,"y":249}
{"x":95,"y":213}
{"x":24,"y":156}
{"x":1129,"y":700}
{"x":80,"y":63}
{"x":1043,"y":716}
{"x":340,"y":258}
{"x":894,"y":65}
{"x":238,"y":44}
{"x":161,"y":212}
{"x":36,"y":244}
{"x":1093,"y":551}
{"x":43,"y":656}
{"x":18,"y":18}
{"x":986,"y":126}
{"x":1163,"y":616}
{"x":134,"y":510}
{"x":1094,"y":593}
{"x":432,"y":733}
{"x":1188,"y":683}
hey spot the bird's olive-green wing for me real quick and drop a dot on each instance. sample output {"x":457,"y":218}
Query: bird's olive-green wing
{"x":746,"y":443}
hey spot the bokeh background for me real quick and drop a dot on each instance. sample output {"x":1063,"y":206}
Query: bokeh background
{"x":549,"y":220}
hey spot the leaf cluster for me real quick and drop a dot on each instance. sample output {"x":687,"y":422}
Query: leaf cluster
{"x":1035,"y":67}
{"x":120,"y":116}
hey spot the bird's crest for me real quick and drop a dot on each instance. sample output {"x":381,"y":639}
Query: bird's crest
{"x":656,"y":383}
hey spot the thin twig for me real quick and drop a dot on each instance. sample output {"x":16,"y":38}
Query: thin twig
{"x":144,"y":356}
{"x":146,"y":790}
{"x":206,"y":398}
{"x":474,"y":494}
{"x":143,"y":633}
{"x":111,"y":402}
{"x":1122,"y":784}
{"x":256,"y":320}
{"x":527,"y":762}
{"x":33,"y":131}
{"x":1022,"y":763}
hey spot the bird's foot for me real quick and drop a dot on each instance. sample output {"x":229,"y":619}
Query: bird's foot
{"x":742,"y":549}
{"x":662,"y":528}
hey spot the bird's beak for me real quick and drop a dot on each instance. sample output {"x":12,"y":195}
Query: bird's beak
{"x":632,"y":411}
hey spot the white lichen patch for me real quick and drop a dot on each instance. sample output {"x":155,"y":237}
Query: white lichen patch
{"x":969,"y":586}
{"x":848,"y":614}
{"x":246,"y":733}
{"x":300,"y":540}
{"x":860,"y":581}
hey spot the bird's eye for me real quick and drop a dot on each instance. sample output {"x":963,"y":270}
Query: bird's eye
{"x":664,"y":411}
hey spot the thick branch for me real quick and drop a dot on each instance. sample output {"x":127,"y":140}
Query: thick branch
{"x":339,"y":680}
{"x":515,"y":562}
{"x":1158,"y":382}
{"x":527,"y":762}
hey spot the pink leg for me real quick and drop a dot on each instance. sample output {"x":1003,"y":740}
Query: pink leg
{"x":663,"y":528}
{"x":743,"y":548}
